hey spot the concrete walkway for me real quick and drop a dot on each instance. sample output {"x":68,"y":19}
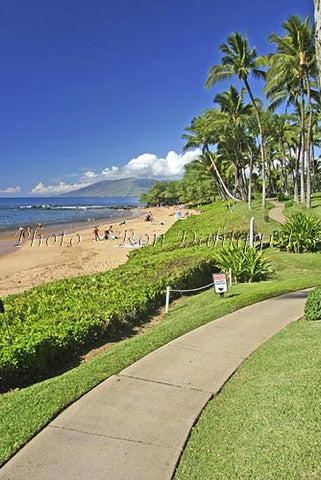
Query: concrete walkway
{"x":134,"y":425}
{"x":276,"y":212}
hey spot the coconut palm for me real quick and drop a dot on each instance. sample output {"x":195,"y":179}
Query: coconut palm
{"x":237,"y":112}
{"x":238,"y":59}
{"x":294,"y":65}
{"x":284,"y":136}
{"x":202,"y":133}
{"x":317,"y":19}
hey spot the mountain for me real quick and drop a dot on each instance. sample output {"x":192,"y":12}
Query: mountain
{"x":125,"y":187}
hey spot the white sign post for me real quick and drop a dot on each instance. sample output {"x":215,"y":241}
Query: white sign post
{"x":252,"y":232}
{"x":220,"y":283}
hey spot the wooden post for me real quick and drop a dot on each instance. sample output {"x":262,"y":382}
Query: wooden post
{"x":168,"y":289}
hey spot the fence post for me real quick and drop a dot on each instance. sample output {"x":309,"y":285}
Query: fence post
{"x":168,"y":289}
{"x":230,"y":276}
{"x":251,"y":231}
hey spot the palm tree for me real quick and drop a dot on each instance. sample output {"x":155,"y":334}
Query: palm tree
{"x":317,"y":19}
{"x":284,"y":136}
{"x":238,"y":59}
{"x":201,"y":133}
{"x":237,"y":112}
{"x":294,"y":64}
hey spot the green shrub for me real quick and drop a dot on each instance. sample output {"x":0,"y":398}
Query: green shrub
{"x":288,"y":202}
{"x":247,"y":264}
{"x":312,"y":309}
{"x":281,"y":197}
{"x":301,"y":233}
{"x":53,"y":323}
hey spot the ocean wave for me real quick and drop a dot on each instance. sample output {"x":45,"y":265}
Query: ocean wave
{"x":62,"y":207}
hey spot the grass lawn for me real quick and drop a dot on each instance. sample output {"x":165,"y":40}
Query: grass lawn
{"x":265,"y":423}
{"x":315,"y":209}
{"x":24,"y":412}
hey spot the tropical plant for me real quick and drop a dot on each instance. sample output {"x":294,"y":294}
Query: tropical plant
{"x":197,"y":186}
{"x":162,"y":193}
{"x":246,"y":264}
{"x":312,"y":309}
{"x":317,"y":18}
{"x":301,"y":233}
{"x":202,"y":133}
{"x":234,"y":141}
{"x":238,"y":59}
{"x":293,"y":67}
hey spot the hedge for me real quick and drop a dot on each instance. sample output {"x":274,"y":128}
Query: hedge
{"x":312,"y":309}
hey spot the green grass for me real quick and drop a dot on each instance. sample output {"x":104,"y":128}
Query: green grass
{"x":299,"y":207}
{"x":24,"y":412}
{"x":265,"y":423}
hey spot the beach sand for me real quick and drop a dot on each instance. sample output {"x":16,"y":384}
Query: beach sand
{"x":29,"y":265}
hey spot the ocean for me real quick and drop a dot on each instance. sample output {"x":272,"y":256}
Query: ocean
{"x":60,"y":210}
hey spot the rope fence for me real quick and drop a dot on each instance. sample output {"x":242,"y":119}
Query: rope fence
{"x":255,"y":240}
{"x":169,"y":289}
{"x":192,"y":289}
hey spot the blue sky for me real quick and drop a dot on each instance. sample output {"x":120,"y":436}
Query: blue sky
{"x":102,"y":89}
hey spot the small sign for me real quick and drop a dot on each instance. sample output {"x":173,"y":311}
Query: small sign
{"x":220,"y":282}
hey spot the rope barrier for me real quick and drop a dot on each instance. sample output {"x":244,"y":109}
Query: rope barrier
{"x":194,"y":289}
{"x":169,"y":289}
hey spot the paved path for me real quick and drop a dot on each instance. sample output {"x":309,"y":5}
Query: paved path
{"x":134,"y":425}
{"x":276,"y":212}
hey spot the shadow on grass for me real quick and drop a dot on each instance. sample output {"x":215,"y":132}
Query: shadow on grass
{"x":231,"y":295}
{"x":96,"y":346}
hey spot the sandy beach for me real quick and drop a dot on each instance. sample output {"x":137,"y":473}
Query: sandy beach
{"x":77,"y":253}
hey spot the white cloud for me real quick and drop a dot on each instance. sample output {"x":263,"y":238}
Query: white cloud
{"x":146,"y":165}
{"x":110,"y":173}
{"x":150,"y":166}
{"x":11,"y":189}
{"x":89,"y":175}
{"x":62,"y":187}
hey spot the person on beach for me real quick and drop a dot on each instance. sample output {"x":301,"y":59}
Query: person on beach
{"x":21,"y":233}
{"x":96,"y":233}
{"x":111,"y":233}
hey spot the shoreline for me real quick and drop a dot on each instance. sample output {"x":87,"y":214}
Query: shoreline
{"x":29,"y":266}
{"x":9,"y":238}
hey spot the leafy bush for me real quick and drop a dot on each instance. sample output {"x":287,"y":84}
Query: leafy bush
{"x":312,"y":309}
{"x":247,"y":264}
{"x":301,"y":233}
{"x":281,"y":197}
{"x":288,"y":202}
{"x":53,"y":323}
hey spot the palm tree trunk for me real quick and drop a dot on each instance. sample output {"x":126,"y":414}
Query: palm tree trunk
{"x":220,"y":179}
{"x":308,"y":144}
{"x":317,"y":17}
{"x":284,"y":172}
{"x":302,"y":161}
{"x":218,"y":185}
{"x":249,"y":190}
{"x":296,"y":186}
{"x":257,"y":113}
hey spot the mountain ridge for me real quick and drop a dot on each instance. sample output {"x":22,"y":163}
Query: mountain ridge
{"x":123,"y":187}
